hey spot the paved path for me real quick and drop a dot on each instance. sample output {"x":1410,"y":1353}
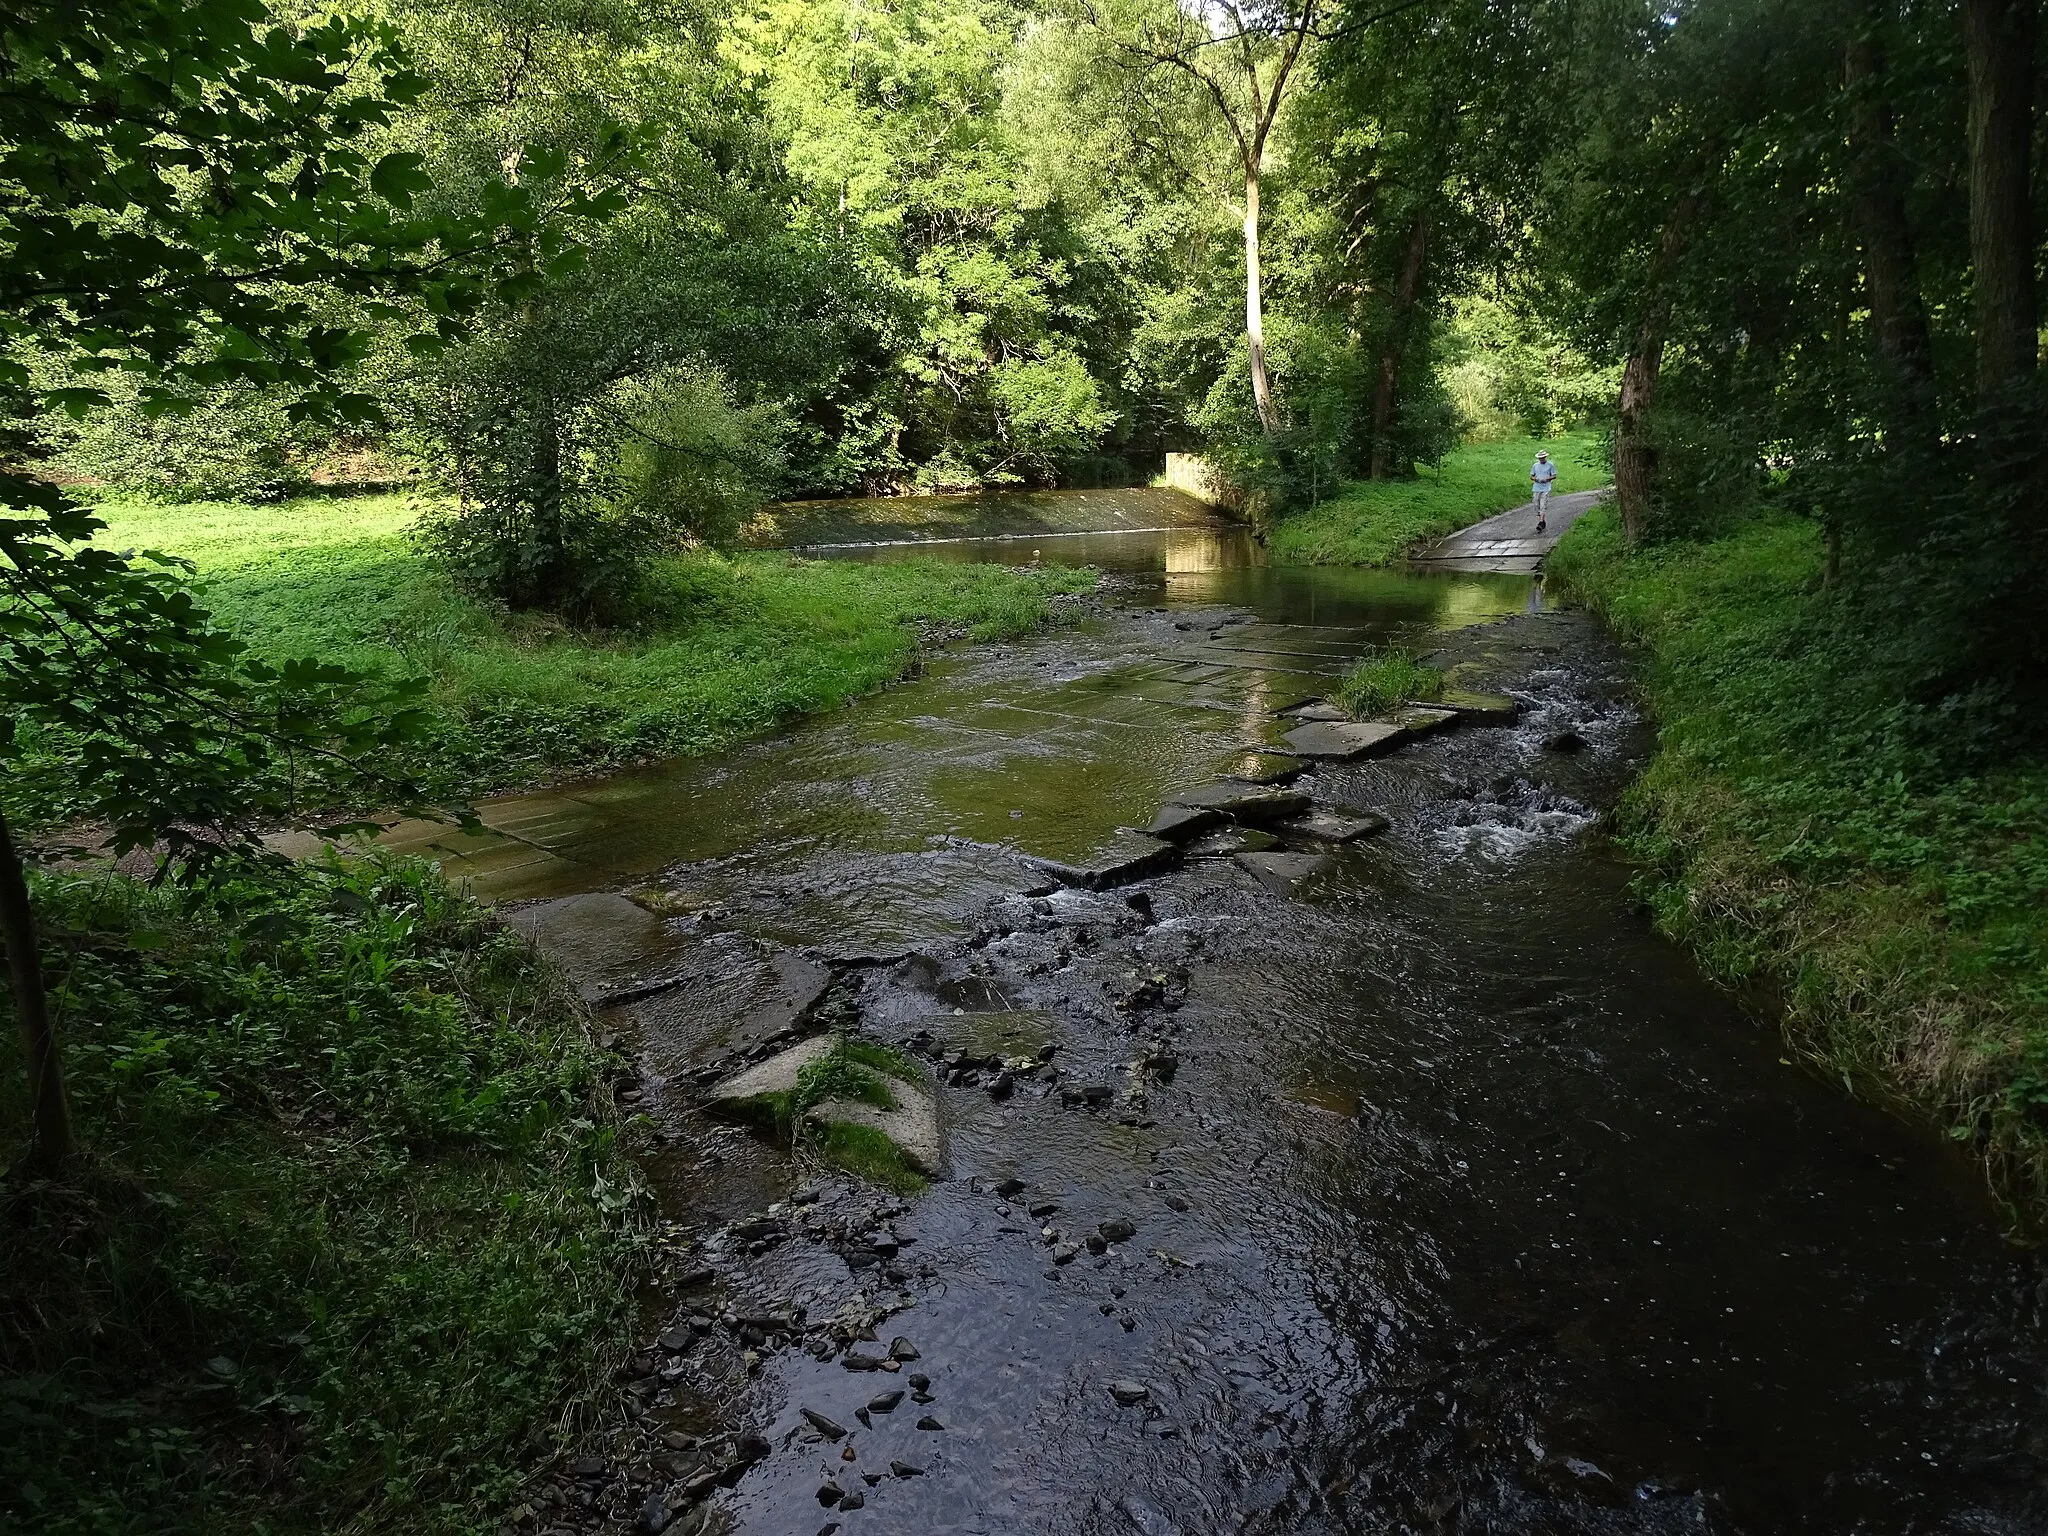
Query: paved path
{"x":1508,"y":541}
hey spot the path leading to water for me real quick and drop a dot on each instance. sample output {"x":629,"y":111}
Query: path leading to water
{"x":1508,"y":541}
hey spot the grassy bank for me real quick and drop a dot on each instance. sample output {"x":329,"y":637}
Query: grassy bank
{"x":731,"y":644}
{"x":353,"y":1242}
{"x":1802,"y":836}
{"x":1374,"y":522}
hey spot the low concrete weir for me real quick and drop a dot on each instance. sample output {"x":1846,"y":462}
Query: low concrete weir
{"x":1371,"y":1168}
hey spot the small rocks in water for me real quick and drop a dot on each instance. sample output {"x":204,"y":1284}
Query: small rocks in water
{"x":901,"y":1348}
{"x":1040,"y":1209}
{"x":1118,"y":1229}
{"x":883,"y":1242}
{"x":1129,"y":1392}
{"x":654,"y":1515}
{"x":1177,"y":1203}
{"x":928,"y":1422}
{"x":1129,"y":1322}
{"x":1096,"y":1242}
{"x":1564,"y":741}
{"x":1568,"y":1477}
{"x":1140,"y":903}
{"x":885,"y":1402}
{"x":587,"y":1467}
{"x":1065,"y":1253}
{"x":823,"y":1425}
{"x":853,"y":1500}
{"x":830,"y":1493}
{"x":752,"y":1446}
{"x":855,"y":1362}
{"x":865,"y":1420}
{"x":1009,"y":1189}
{"x":919,"y":1382}
{"x":905,"y":1469}
{"x":676,"y":1340}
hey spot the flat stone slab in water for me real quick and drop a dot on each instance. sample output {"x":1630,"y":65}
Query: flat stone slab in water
{"x":1337,"y":826}
{"x":1419,"y":719}
{"x":1280,"y":873}
{"x":1244,"y":802}
{"x":1234,"y":840}
{"x":1329,"y":738}
{"x":607,"y":944}
{"x":1481,"y":708}
{"x":1128,"y":856}
{"x":1268,"y":768}
{"x":1317,"y":709}
{"x":1181,"y":822}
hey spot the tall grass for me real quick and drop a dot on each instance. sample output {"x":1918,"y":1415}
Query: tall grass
{"x":1383,"y":681}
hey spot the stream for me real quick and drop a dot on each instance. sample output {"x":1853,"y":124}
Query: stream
{"x":1433,"y":1192}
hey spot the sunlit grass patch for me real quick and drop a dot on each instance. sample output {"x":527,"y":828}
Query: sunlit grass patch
{"x":1383,"y":681}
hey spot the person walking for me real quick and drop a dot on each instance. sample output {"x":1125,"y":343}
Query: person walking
{"x":1542,"y":474}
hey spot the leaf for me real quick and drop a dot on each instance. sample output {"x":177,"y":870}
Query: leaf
{"x":399,"y":176}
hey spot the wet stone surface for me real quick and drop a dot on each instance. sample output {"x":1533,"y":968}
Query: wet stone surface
{"x":1432,"y":1193}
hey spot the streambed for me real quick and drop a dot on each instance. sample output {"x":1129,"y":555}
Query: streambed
{"x":1430,"y":1192}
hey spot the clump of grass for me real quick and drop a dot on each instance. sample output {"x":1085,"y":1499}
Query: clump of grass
{"x":355,"y":1239}
{"x":1385,"y":680}
{"x":867,"y":1154}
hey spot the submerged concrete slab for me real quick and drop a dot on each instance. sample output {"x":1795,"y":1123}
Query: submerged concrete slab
{"x":1127,"y":856}
{"x":1244,"y":802}
{"x":1233,"y":840}
{"x":913,"y":1125}
{"x":1325,"y":738}
{"x":775,"y":1075}
{"x":1317,"y":709}
{"x":1333,"y":825}
{"x":1267,"y":768}
{"x":608,"y":945}
{"x":1282,"y":873}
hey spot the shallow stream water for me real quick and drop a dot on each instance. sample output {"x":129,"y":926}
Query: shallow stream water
{"x":1469,"y":1206}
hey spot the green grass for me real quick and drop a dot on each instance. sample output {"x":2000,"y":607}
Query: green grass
{"x":1376,"y":522}
{"x":1383,"y":680}
{"x":1803,"y":834}
{"x":744,"y":641}
{"x":867,"y":1154}
{"x":855,"y":1070}
{"x":355,"y":1241}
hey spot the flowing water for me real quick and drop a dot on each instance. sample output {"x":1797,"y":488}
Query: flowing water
{"x":1469,"y":1206}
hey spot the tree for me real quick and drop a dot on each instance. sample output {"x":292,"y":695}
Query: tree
{"x":187,"y":200}
{"x":1241,"y":60}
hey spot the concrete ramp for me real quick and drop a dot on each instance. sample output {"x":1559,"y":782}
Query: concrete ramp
{"x":1508,"y":541}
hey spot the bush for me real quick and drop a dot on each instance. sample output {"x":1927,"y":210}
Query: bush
{"x":236,"y":445}
{"x":1318,"y":381}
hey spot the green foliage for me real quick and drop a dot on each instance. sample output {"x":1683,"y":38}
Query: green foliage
{"x":866,"y":1153}
{"x":1805,"y":825}
{"x":1385,"y":679}
{"x":850,"y":1071}
{"x":357,"y":1219}
{"x":1317,"y":381}
{"x":1374,"y":522}
{"x":1509,"y":376}
{"x":237,"y":443}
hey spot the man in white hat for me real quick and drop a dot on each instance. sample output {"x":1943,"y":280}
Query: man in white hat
{"x":1541,"y":475}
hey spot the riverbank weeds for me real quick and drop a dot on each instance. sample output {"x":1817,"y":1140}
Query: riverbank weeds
{"x":1804,"y":838}
{"x":355,"y":1237}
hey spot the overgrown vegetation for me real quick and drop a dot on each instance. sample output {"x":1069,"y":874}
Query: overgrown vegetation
{"x":1384,"y":679}
{"x":1374,"y":522}
{"x":356,"y":1237}
{"x":1876,"y":866}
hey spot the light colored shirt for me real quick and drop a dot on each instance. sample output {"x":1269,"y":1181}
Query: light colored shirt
{"x":1543,"y":472}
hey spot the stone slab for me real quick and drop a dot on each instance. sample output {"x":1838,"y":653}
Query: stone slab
{"x":1234,"y":840}
{"x":1126,"y":857}
{"x":1481,"y":708}
{"x":1178,"y":823}
{"x":1317,"y":709}
{"x":775,"y":1075}
{"x":1267,"y":768}
{"x":1330,"y":825}
{"x":606,"y":943}
{"x":1419,"y":719}
{"x":1324,"y":738}
{"x":1244,"y":802}
{"x":1281,"y":873}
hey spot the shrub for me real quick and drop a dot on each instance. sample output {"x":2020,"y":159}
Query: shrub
{"x":1384,"y":680}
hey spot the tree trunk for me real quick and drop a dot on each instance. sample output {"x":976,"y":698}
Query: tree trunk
{"x":1998,"y":40}
{"x":1407,"y":294}
{"x":1254,"y":315}
{"x":1897,"y":311}
{"x":1635,"y":457}
{"x":52,"y":1114}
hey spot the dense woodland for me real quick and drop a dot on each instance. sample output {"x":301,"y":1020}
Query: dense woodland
{"x":593,"y":280}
